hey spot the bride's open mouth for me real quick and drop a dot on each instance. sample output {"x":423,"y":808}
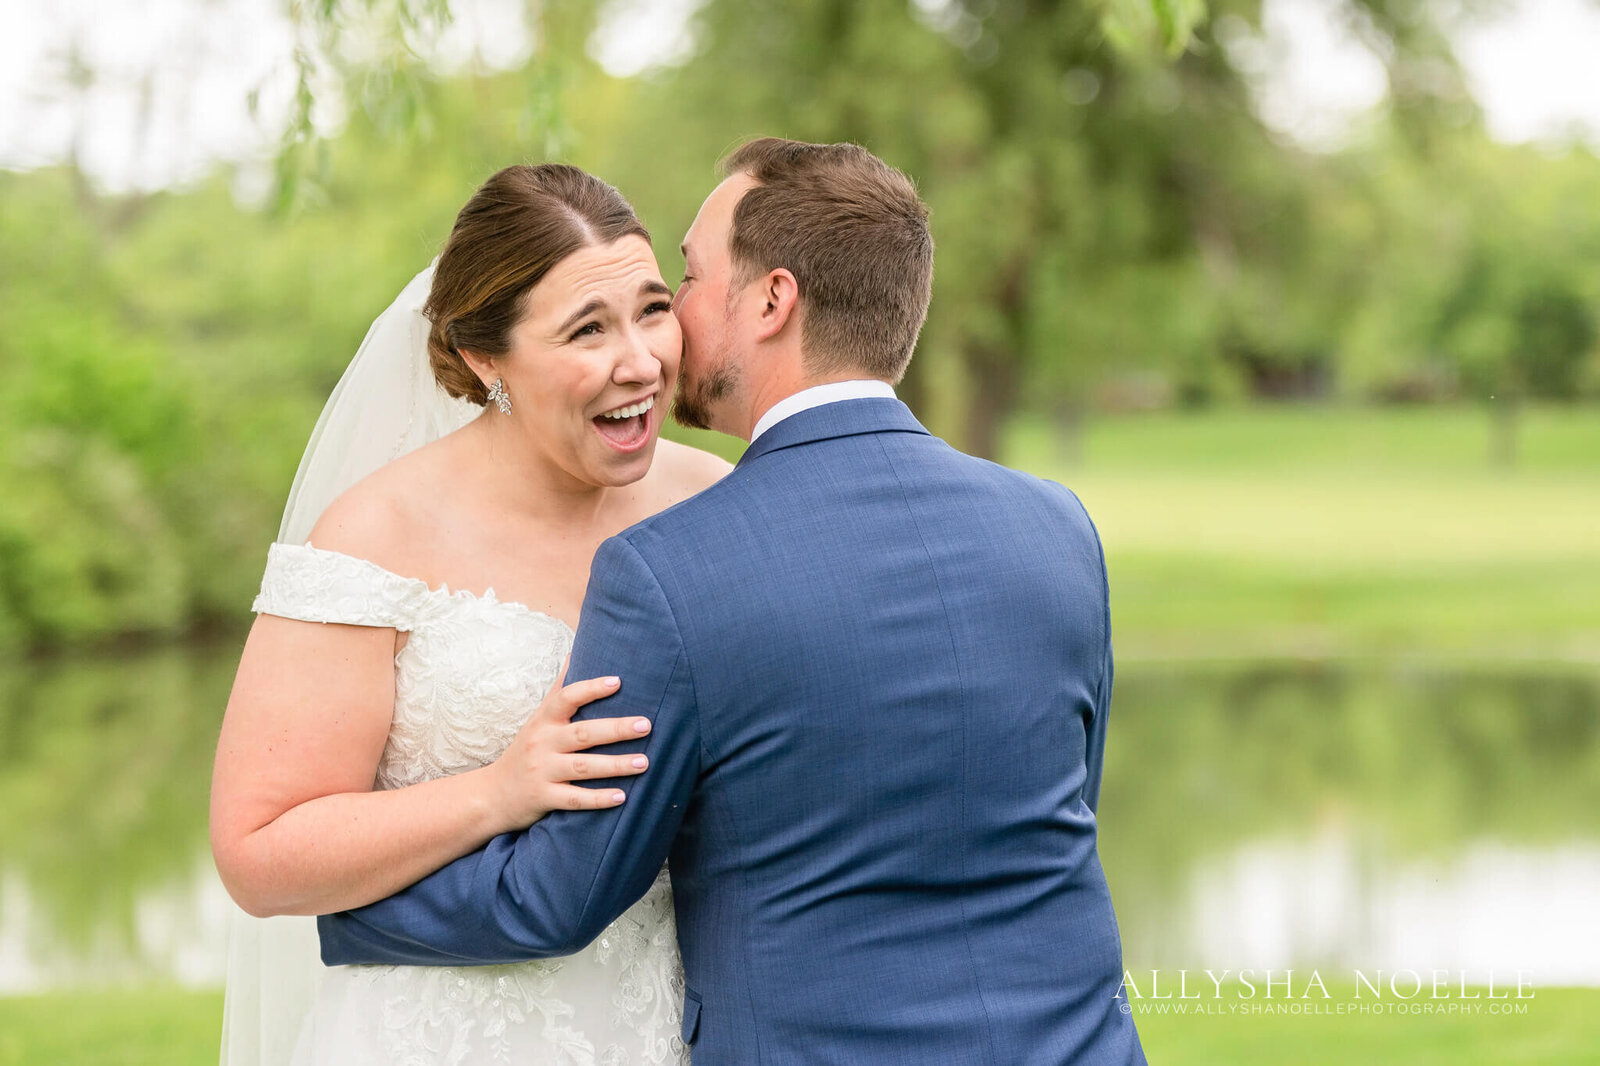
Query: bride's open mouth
{"x":626,"y":428}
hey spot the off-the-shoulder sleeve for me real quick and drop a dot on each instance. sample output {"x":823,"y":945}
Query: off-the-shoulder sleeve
{"x":312,"y":585}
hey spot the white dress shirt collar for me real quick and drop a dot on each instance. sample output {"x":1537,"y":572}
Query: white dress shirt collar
{"x":817,"y":395}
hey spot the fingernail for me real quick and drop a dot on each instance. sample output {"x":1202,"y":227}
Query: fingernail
{"x":640,"y":762}
{"x":642,"y":725}
{"x":613,"y":682}
{"x":618,"y":797}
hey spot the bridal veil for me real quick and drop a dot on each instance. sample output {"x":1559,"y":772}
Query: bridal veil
{"x":386,"y":404}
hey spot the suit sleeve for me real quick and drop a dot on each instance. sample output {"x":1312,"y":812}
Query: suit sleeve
{"x":553,"y":888}
{"x":1087,"y":551}
{"x":1095,"y":743}
{"x":1094,"y":752}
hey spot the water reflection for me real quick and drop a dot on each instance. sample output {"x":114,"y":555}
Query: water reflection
{"x":1261,"y":816}
{"x":1274,"y":816}
{"x":1329,"y":903}
{"x":177,"y":933}
{"x":104,"y":772}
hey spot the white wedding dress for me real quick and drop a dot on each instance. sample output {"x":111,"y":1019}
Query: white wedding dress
{"x":472,"y":670}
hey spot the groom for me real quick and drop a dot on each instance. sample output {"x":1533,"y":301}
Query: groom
{"x":879,"y":672}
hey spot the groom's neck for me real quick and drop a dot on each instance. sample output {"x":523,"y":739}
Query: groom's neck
{"x":775,"y":388}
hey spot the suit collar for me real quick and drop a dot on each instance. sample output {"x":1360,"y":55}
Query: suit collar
{"x":846,"y":418}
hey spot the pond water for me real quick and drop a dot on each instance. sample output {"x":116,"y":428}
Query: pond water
{"x":1265,"y":816}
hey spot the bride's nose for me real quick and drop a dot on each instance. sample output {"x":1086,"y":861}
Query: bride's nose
{"x":636,"y":364}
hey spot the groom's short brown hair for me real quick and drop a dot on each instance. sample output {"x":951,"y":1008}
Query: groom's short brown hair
{"x":853,"y":232}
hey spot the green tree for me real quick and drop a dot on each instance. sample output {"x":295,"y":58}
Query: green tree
{"x":1069,"y":180}
{"x":1481,"y":278}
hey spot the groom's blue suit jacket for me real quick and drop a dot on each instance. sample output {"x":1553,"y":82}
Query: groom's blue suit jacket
{"x":879,"y":671}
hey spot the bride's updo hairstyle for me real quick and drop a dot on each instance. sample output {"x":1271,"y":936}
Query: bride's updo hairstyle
{"x":520,"y":224}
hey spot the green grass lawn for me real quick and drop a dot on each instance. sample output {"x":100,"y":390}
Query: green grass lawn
{"x":1335,"y":532}
{"x":147,"y":1027}
{"x":1561,"y":1027}
{"x":1329,"y":532}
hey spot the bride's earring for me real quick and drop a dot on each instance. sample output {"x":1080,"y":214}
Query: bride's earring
{"x":497,"y":394}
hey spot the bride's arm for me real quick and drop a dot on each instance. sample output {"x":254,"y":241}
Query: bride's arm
{"x":295,"y":825}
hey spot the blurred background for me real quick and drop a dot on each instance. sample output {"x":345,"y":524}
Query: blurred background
{"x":1302,"y":297}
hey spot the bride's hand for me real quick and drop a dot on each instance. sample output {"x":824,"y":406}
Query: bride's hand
{"x":532,"y":777}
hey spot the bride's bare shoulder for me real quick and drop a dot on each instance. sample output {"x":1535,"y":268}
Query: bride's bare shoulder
{"x":384,"y":516}
{"x":682,"y":471}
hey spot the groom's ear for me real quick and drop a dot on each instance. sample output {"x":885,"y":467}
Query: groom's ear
{"x":780,"y":296}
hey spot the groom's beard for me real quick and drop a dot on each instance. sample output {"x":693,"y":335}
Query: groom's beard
{"x":692,"y":406}
{"x":697,"y":395}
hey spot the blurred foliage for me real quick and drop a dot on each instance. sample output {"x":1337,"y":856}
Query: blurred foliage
{"x":1117,"y":230}
{"x":373,"y":55}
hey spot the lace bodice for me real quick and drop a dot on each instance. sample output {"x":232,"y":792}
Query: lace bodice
{"x":472,"y":669}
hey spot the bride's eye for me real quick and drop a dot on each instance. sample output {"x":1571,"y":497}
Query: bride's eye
{"x":658,"y":307}
{"x":588,"y":329}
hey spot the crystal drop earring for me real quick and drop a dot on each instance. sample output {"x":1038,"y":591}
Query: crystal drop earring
{"x":497,"y":394}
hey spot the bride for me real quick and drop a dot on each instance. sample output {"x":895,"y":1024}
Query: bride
{"x":415,"y":611}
